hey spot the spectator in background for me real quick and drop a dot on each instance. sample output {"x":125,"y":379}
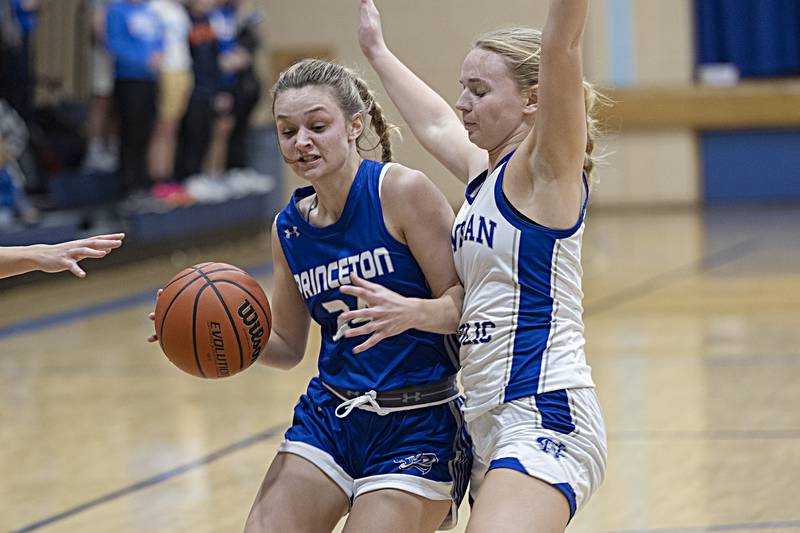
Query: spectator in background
{"x":197,"y":123}
{"x":103,"y":148}
{"x":223,"y":22}
{"x":18,"y":19}
{"x":27,"y":12}
{"x":247,"y":87}
{"x":135,"y":39}
{"x":10,"y":44}
{"x":175,"y":87}
{"x":14,"y":205}
{"x":238,"y":42}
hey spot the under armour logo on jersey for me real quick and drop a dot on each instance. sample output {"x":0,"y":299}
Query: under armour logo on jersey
{"x":552,"y":446}
{"x":291,"y":232}
{"x":421,"y":461}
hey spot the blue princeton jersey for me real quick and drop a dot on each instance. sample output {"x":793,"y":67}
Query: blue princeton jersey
{"x":321,"y":260}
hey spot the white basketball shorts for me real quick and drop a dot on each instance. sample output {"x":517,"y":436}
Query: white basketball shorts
{"x":558,"y":437}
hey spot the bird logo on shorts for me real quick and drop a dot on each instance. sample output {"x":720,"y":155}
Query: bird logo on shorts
{"x":421,"y":461}
{"x":291,"y":232}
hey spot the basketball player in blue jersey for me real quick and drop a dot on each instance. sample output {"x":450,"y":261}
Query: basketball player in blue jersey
{"x":524,"y":150}
{"x":379,"y":434}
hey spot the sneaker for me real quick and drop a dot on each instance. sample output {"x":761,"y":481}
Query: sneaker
{"x":172,"y":194}
{"x":245,"y":182}
{"x":99,"y":159}
{"x":208,"y":189}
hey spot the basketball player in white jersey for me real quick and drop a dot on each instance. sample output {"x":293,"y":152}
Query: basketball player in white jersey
{"x":524,"y":150}
{"x":16,"y":260}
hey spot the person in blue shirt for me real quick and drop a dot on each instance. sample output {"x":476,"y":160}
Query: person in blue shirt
{"x":378,"y":434}
{"x":135,"y":39}
{"x":240,"y":88}
{"x":27,"y":12}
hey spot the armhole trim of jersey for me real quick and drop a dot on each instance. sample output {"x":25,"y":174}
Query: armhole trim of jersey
{"x":522,"y":222}
{"x":383,"y":225}
{"x":384,"y":170}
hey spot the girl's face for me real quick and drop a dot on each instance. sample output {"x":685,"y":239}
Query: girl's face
{"x":492,"y":107}
{"x":315,"y":138}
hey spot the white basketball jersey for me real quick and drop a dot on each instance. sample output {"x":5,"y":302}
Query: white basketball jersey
{"x":521,"y":330}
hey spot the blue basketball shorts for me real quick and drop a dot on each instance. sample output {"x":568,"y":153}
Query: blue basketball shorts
{"x":424,"y":451}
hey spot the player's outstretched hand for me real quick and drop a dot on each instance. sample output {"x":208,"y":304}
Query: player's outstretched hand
{"x":66,"y":255}
{"x":388,"y":313}
{"x":152,"y":316}
{"x":370,"y":32}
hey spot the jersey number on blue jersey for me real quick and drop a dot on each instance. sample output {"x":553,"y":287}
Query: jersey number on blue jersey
{"x":339,"y":307}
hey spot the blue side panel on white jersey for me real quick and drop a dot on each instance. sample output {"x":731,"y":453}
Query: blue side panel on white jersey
{"x":534,"y":316}
{"x":521,"y":326}
{"x":534,"y":267}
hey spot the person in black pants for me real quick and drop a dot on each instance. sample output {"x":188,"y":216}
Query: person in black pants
{"x":17,"y":26}
{"x":134,"y":37}
{"x":196,"y":127}
{"x":246,"y":93}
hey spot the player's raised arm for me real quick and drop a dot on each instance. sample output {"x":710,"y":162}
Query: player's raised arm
{"x":430,"y":117}
{"x":556,"y":146}
{"x":290,"y":320}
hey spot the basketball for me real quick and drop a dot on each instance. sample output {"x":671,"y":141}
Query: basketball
{"x":212,"y":320}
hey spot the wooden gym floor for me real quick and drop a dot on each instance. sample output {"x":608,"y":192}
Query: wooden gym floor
{"x":692,"y":326}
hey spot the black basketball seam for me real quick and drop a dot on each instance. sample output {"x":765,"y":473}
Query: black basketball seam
{"x":176,"y":280}
{"x":166,"y":311}
{"x":253,"y":296}
{"x":237,"y":269}
{"x":201,"y":265}
{"x":211,"y":283}
{"x":194,"y":328}
{"x":255,"y":299}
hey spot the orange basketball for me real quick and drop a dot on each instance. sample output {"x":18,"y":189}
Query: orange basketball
{"x":213,"y":320}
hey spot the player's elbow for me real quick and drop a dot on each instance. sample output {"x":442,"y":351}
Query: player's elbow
{"x":284,"y":360}
{"x":562,"y":47}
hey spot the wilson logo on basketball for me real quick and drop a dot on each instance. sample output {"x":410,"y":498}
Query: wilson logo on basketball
{"x":202,"y":324}
{"x":256,"y":331}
